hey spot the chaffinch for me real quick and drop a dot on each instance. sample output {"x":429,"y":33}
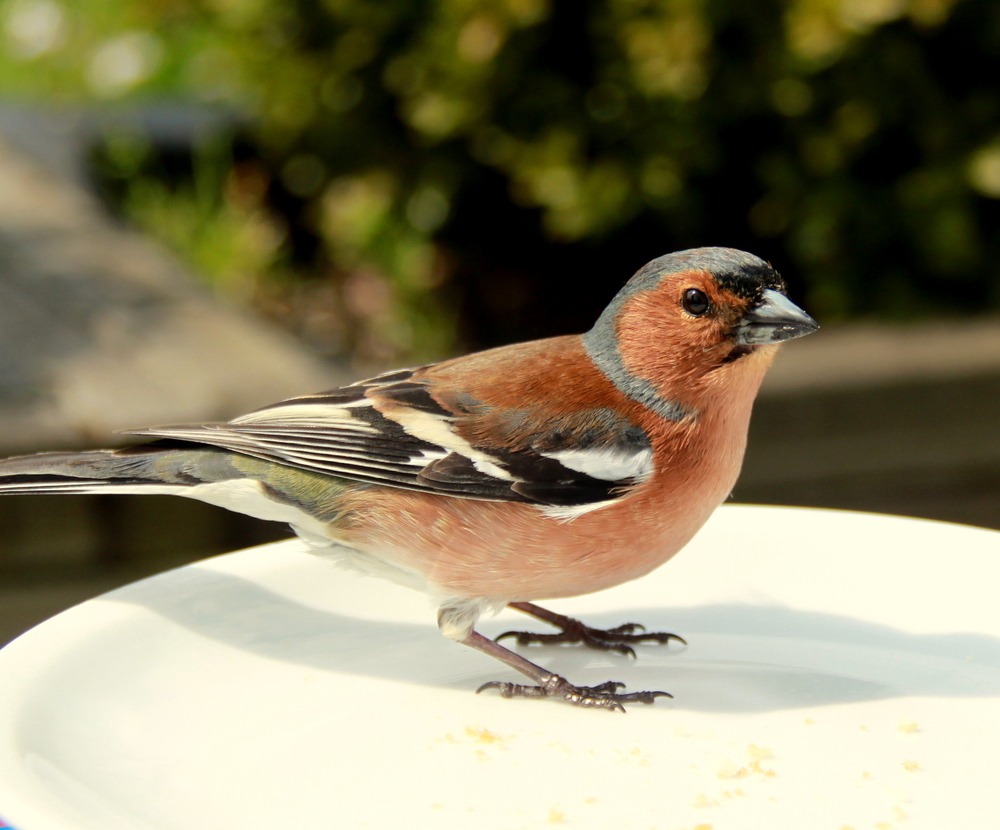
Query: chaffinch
{"x":545,"y":469}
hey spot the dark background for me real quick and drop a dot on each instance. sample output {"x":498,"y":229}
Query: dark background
{"x":436,"y":177}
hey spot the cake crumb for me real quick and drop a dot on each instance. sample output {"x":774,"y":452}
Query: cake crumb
{"x":730,"y":770}
{"x":482,"y":735}
{"x":911,"y":766}
{"x":907,"y":726}
{"x":556,"y":816}
{"x":758,"y":754}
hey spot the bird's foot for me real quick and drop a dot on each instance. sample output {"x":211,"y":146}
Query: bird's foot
{"x":604,"y":696}
{"x":620,"y":639}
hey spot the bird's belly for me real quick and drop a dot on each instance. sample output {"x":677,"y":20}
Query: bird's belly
{"x":382,"y":563}
{"x":512,"y":551}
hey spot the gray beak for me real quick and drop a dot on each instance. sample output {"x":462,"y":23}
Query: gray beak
{"x":776,"y":318}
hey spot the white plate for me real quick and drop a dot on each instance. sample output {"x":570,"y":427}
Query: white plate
{"x":843,"y":671}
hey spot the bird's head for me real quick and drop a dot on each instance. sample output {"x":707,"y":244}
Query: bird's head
{"x":692,"y":319}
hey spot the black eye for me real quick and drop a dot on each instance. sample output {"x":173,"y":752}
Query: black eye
{"x":695,"y":302}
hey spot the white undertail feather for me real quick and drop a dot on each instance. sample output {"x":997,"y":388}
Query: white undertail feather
{"x":249,"y":496}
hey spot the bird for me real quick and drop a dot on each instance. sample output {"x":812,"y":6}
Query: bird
{"x":538,"y":470}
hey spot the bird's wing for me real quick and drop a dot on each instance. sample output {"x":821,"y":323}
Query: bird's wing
{"x":392,"y":430}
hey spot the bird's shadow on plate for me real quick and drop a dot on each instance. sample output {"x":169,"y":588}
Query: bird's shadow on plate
{"x":740,"y":658}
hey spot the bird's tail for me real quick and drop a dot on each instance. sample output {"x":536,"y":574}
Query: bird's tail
{"x":144,"y":469}
{"x":259,"y":488}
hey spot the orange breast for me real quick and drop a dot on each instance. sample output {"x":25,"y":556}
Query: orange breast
{"x":513,"y":551}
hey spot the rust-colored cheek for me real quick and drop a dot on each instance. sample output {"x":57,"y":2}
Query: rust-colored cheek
{"x":661,"y":344}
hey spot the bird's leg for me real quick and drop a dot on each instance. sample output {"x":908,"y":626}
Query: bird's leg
{"x":573,"y":631}
{"x":604,"y":696}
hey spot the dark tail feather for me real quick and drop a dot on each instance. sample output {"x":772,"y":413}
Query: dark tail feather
{"x":133,"y":470}
{"x":262,"y":489}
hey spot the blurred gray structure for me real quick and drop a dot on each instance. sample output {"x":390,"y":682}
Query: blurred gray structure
{"x":61,"y":138}
{"x":100,"y":329}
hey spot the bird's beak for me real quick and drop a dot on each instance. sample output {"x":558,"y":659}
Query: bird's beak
{"x":774,"y":319}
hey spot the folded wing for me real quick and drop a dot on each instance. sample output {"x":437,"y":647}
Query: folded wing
{"x":391,"y":430}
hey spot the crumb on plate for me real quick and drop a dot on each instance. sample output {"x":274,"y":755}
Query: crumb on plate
{"x":483,"y":735}
{"x":728,"y":769}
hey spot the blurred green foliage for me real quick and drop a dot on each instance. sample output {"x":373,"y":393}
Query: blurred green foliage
{"x":411,"y":163}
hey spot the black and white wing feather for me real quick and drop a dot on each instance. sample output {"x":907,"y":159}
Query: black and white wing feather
{"x":390,"y":430}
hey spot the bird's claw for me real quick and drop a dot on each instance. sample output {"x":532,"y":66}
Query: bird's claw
{"x":604,"y":696}
{"x":626,"y":628}
{"x":611,"y":639}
